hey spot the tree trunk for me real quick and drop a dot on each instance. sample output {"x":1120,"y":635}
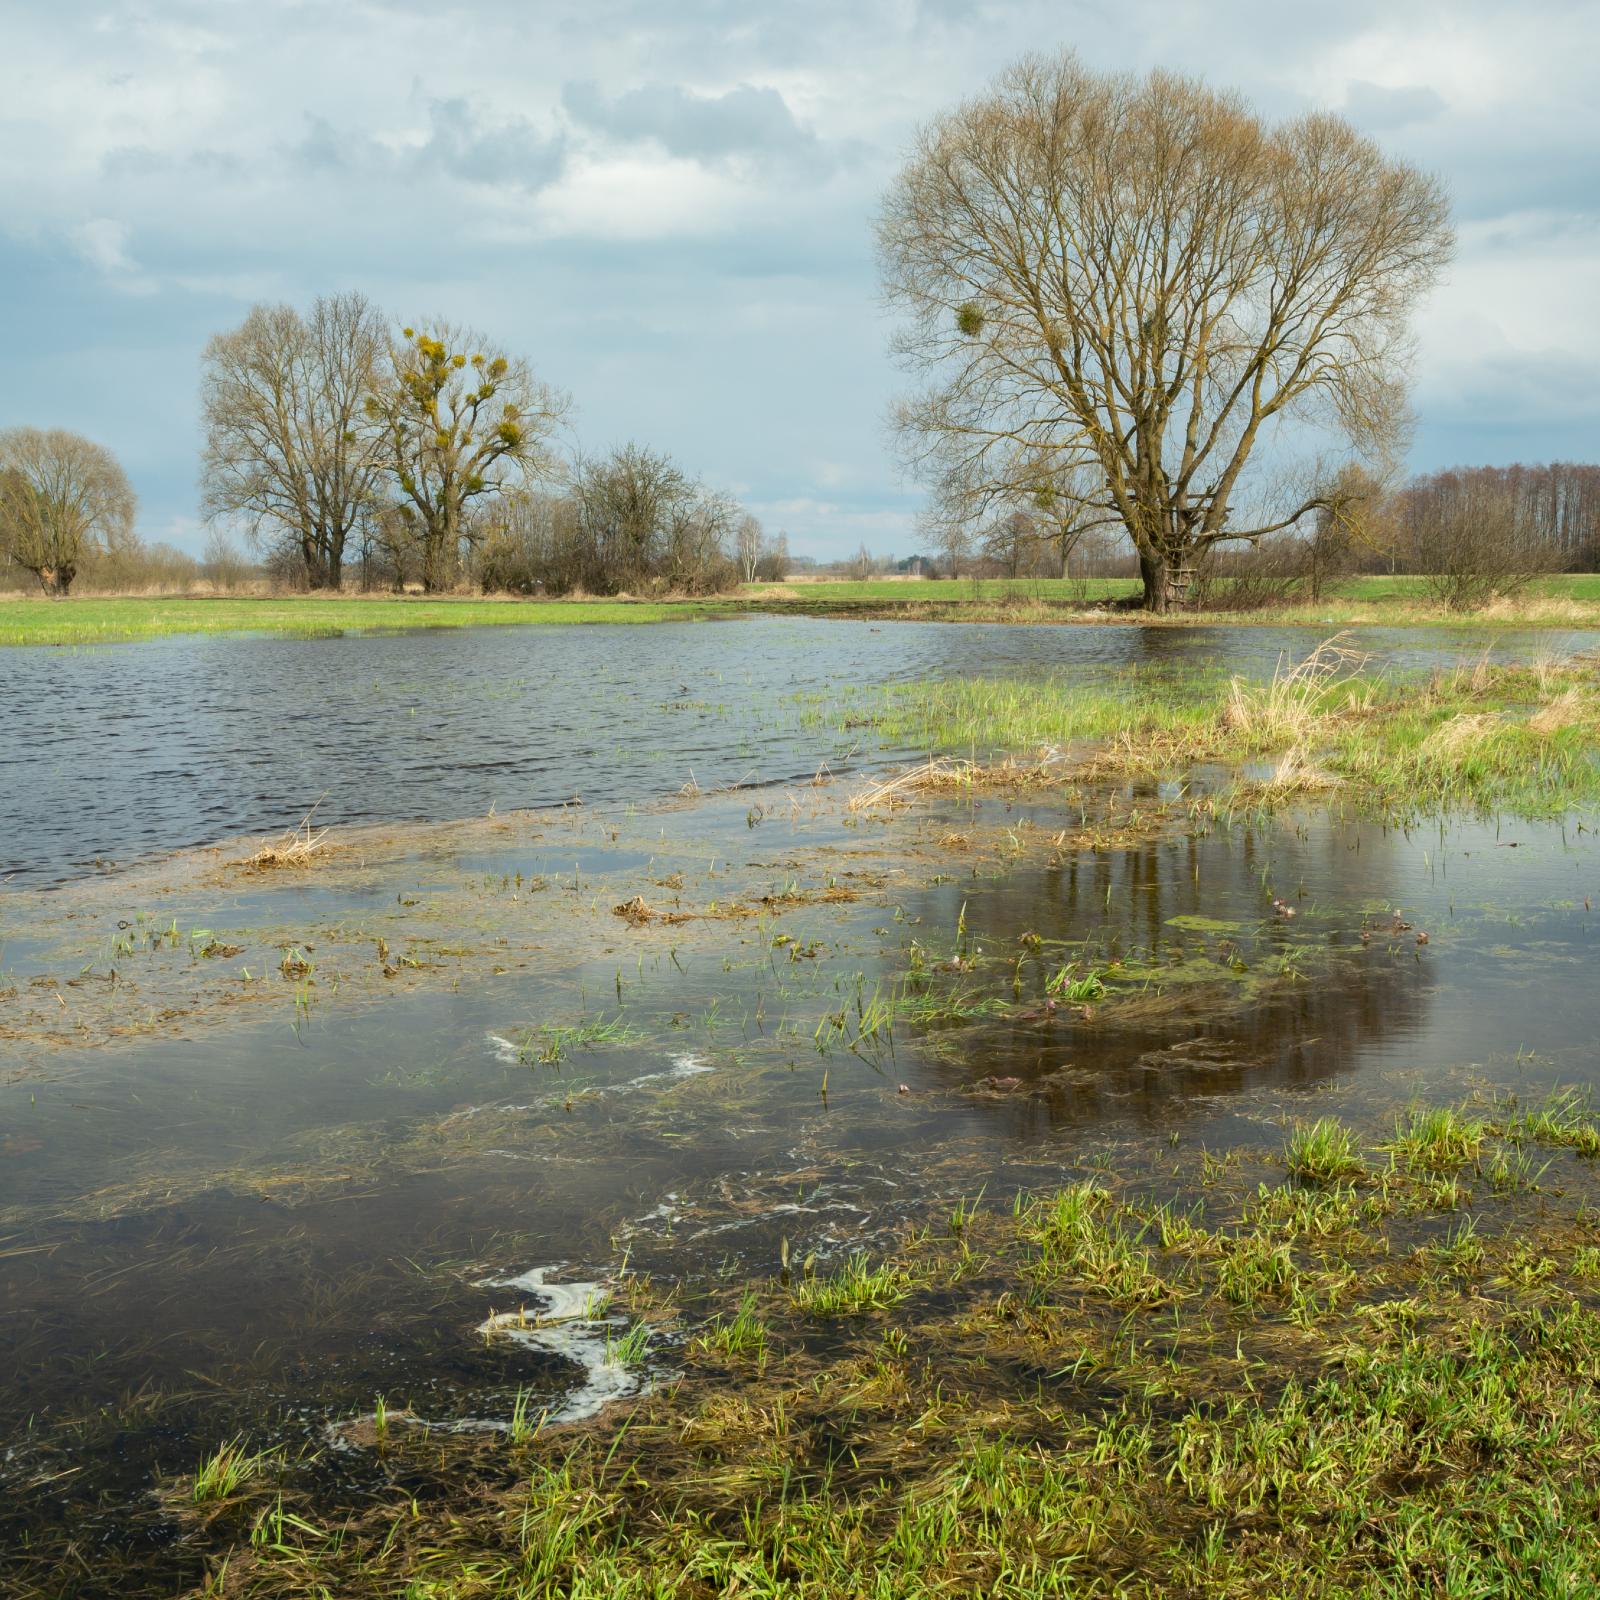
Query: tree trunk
{"x":435,"y":552}
{"x":1166,"y":582}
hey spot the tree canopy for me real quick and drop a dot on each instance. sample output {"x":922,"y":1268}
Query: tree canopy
{"x":62,"y":498}
{"x":1116,"y":288}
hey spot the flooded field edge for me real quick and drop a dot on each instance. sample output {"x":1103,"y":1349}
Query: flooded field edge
{"x":748,"y":1150}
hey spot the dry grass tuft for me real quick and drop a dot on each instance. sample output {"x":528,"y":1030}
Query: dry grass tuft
{"x":1569,"y":707}
{"x":1462,"y":733}
{"x":1285,"y":710}
{"x":913,"y":780}
{"x":1294,"y":772}
{"x":296,"y":848}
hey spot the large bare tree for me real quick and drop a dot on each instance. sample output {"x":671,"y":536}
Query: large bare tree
{"x":289,"y":453}
{"x":62,"y":498}
{"x":458,"y":423}
{"x":1136,"y":284}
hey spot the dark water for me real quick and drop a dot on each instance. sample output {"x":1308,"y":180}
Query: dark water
{"x":259,"y":1229}
{"x":113,"y":754}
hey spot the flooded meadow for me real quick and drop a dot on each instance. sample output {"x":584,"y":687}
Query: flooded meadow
{"x":614,"y":1065}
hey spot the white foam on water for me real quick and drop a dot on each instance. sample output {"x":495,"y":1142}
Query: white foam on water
{"x":570,"y":1324}
{"x":687,"y":1065}
{"x":563,"y":1302}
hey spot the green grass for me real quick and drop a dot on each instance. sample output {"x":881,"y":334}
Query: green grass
{"x":1522,"y":739}
{"x":227,"y":1471}
{"x":855,"y":1289}
{"x":1335,"y":1393}
{"x":742,"y":1334}
{"x":550,"y":1042}
{"x":1322,"y":1150}
{"x":1380,"y":601}
{"x":1570,"y":599}
{"x":91,"y":619}
{"x":1437,"y":1138}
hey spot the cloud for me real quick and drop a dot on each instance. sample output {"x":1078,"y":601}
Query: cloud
{"x":746,"y":122}
{"x":1375,"y":107}
{"x":457,"y":142}
{"x":103,"y":243}
{"x":668,"y":209}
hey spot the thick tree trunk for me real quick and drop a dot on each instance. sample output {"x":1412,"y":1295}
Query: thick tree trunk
{"x":1166,"y":582}
{"x":436,"y":576}
{"x":55,"y":581}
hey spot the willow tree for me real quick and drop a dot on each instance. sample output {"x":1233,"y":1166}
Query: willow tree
{"x":62,"y":498}
{"x":458,"y":424}
{"x":288,"y":453}
{"x":1140,"y":288}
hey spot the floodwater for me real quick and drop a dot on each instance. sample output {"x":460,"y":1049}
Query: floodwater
{"x":260,"y":1227}
{"x":112,"y":754}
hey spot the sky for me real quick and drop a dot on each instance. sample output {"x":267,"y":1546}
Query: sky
{"x":668,"y":209}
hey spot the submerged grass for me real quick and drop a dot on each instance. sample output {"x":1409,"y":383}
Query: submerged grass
{"x":551,"y":1042}
{"x":1369,"y":1388}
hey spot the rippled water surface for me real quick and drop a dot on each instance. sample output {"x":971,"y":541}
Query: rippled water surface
{"x":108,"y":755}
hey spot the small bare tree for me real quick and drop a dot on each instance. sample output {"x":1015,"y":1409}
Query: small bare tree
{"x":458,"y":422}
{"x":221,"y":563}
{"x":289,"y":455}
{"x":747,"y":544}
{"x":1130,"y":284}
{"x":773,"y":564}
{"x":63,"y":499}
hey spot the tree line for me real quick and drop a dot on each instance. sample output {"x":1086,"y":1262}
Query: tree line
{"x":1469,"y":532}
{"x":427,"y":455}
{"x":1140,"y":316}
{"x":432,"y":456}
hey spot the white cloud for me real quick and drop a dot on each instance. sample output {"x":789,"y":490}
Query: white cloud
{"x":636,"y":197}
{"x":103,"y":243}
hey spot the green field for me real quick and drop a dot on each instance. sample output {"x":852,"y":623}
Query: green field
{"x":1570,"y":600}
{"x":93,"y":619}
{"x":1401,"y":595}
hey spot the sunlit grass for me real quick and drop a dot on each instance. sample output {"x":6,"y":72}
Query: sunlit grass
{"x":1523,"y":739}
{"x":856,"y":1288}
{"x":1265,"y":1389}
{"x":1322,"y":1150}
{"x":91,"y":620}
{"x":228,"y":1470}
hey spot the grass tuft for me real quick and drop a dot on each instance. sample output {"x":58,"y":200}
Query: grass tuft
{"x":1322,"y":1150}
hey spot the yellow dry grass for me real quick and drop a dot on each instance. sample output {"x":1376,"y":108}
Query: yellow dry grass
{"x":1570,"y":707}
{"x":296,"y":848}
{"x":1285,"y":709}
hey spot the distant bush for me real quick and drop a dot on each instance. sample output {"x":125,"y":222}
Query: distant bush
{"x":1471,"y":537}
